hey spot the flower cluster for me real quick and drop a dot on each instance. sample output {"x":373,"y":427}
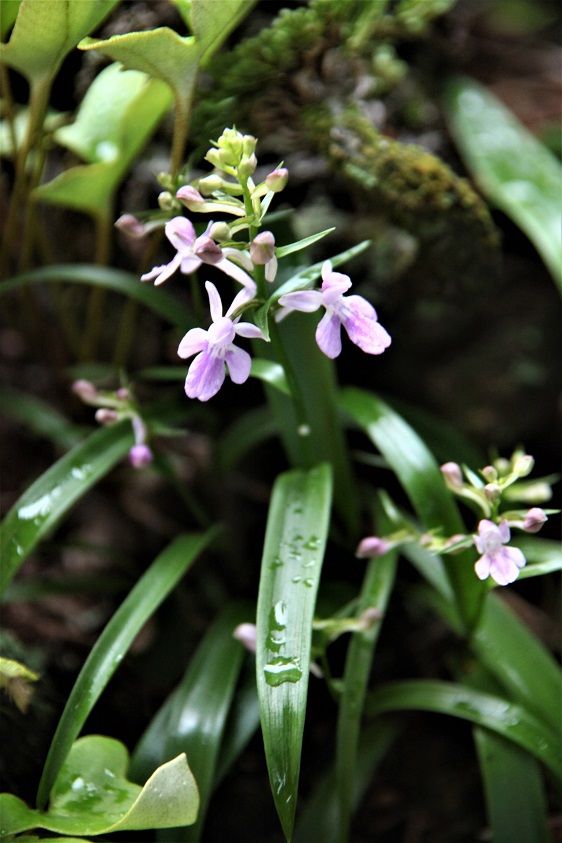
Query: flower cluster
{"x":253,"y":263}
{"x":113,"y":407}
{"x":484,"y":491}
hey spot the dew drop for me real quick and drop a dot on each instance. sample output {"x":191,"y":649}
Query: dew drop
{"x":282,"y":669}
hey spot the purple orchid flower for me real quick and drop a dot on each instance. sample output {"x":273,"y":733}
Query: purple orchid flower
{"x":215,"y":348}
{"x":192,"y":251}
{"x":357,"y":316}
{"x":499,"y":562}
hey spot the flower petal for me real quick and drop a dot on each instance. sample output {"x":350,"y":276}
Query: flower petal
{"x":190,"y":264}
{"x":205,"y":377}
{"x":307,"y":301}
{"x":162,"y":273}
{"x":215,"y":303}
{"x":194,"y":341}
{"x":328,"y":335}
{"x":246,"y":329}
{"x":271,"y":269}
{"x":504,"y":531}
{"x":239,"y":363}
{"x":180,"y":233}
{"x":243,"y":296}
{"x":236,"y":272}
{"x":359,"y":319}
{"x":505,"y":565}
{"x":482,"y":567}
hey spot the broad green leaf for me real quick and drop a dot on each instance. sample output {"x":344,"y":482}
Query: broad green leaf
{"x":295,"y":539}
{"x":194,"y":717}
{"x":44,"y":503}
{"x":212,"y":22}
{"x":270,"y":372}
{"x":111,"y":142}
{"x":419,"y":474}
{"x":515,"y":800}
{"x":46,"y":31}
{"x":319,"y":819}
{"x":91,"y":795}
{"x":110,"y":279}
{"x":160,"y":53}
{"x":8,"y":13}
{"x":511,"y":167}
{"x":112,"y":645}
{"x":507,"y":719}
{"x":375,"y":593}
{"x":297,"y":246}
{"x":39,"y":417}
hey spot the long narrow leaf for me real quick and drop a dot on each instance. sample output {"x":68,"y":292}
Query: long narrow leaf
{"x":110,"y":279}
{"x":44,"y":503}
{"x":419,"y":474}
{"x":193,"y":719}
{"x":39,"y":417}
{"x":110,"y":648}
{"x":510,"y":720}
{"x":514,"y":791}
{"x":293,"y":552}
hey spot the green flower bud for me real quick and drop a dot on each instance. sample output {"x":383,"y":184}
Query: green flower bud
{"x":209,"y":184}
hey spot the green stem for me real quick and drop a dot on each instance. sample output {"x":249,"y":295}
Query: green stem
{"x":9,"y":108}
{"x":96,"y":299}
{"x":181,"y":131}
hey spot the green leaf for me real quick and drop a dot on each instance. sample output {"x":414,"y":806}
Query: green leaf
{"x":45,"y":502}
{"x":511,"y":167}
{"x":39,"y":417}
{"x":248,"y":431}
{"x":193,"y":719}
{"x":161,"y":53}
{"x":295,"y":539}
{"x":283,"y":251}
{"x":270,"y":372}
{"x":8,"y":13}
{"x":243,"y":721}
{"x":507,"y":719}
{"x":419,"y":474}
{"x":110,"y":648}
{"x":46,"y":31}
{"x":515,"y":800}
{"x":110,"y":279}
{"x":213,"y":22}
{"x":91,"y":795}
{"x":375,"y":593}
{"x":117,"y":116}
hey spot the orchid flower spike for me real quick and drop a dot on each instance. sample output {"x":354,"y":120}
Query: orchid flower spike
{"x":357,"y":316}
{"x":192,"y":251}
{"x":499,"y":562}
{"x":215,"y":348}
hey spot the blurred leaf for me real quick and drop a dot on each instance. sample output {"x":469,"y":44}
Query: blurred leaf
{"x":44,"y":503}
{"x":283,"y":251}
{"x":249,"y":430}
{"x":515,"y":800}
{"x":295,"y":539}
{"x":419,"y":474}
{"x":46,"y":31}
{"x":213,"y":22}
{"x":15,"y":679}
{"x":115,"y":120}
{"x":192,"y":720}
{"x":8,"y":13}
{"x":39,"y":417}
{"x":106,"y":655}
{"x":270,"y":372}
{"x":511,"y":167}
{"x":508,"y":719}
{"x":111,"y":279}
{"x":91,"y":795}
{"x":242,"y":723}
{"x":51,"y":121}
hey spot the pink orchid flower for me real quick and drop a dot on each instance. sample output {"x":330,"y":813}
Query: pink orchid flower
{"x":215,"y":348}
{"x":357,"y":316}
{"x":499,"y":562}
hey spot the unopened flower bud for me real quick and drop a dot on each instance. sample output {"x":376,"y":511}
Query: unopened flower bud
{"x":492,"y":491}
{"x":140,"y":456}
{"x":534,"y":520}
{"x":249,"y":143}
{"x":452,"y":474}
{"x":502,"y":466}
{"x":277,"y":179}
{"x":246,"y":634}
{"x":247,"y":166}
{"x":371,"y":547}
{"x":165,"y":180}
{"x":489,"y":473}
{"x":106,"y":416}
{"x":209,"y":184}
{"x":262,"y":248}
{"x":369,"y":618}
{"x":219,"y":231}
{"x":166,"y":201}
{"x":208,"y":250}
{"x":131,"y":226}
{"x":523,"y":464}
{"x":85,"y":390}
{"x":190,"y":197}
{"x":123,"y":393}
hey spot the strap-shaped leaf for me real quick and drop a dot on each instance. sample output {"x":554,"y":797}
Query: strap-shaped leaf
{"x":110,"y":648}
{"x":92,"y":795}
{"x":46,"y":31}
{"x":511,"y":167}
{"x":296,"y":533}
{"x":510,"y":720}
